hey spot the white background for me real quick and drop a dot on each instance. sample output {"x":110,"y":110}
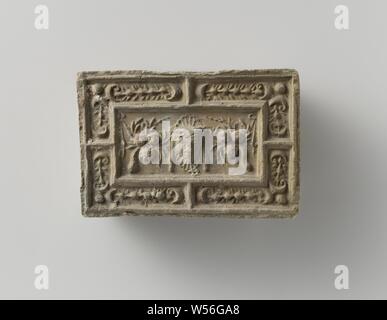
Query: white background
{"x":343,"y":153}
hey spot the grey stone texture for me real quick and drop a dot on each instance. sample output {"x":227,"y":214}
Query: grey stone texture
{"x":115,"y":106}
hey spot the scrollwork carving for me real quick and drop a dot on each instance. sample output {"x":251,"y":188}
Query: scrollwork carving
{"x":274,"y":93}
{"x":99,"y":109}
{"x":276,"y":193}
{"x":278,"y":112}
{"x":145,"y":196}
{"x":101,"y":170}
{"x":106,"y":194}
{"x":122,"y":133}
{"x":279,"y":175}
{"x":142,"y":92}
{"x":234,"y":195}
{"x":101,"y":94}
{"x":233,"y":91}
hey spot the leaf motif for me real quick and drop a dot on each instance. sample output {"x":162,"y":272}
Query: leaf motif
{"x":131,"y":147}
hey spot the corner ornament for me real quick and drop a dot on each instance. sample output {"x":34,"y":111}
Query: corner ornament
{"x":102,"y":94}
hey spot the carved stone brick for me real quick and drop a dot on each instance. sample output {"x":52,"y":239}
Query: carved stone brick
{"x":114,"y":107}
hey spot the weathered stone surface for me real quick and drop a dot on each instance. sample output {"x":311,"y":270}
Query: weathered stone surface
{"x":115,"y":106}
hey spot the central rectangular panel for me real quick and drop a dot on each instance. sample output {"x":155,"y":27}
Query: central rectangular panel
{"x":131,"y":120}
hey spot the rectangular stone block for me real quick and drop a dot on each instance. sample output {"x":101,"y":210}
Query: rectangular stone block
{"x":219,"y":143}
